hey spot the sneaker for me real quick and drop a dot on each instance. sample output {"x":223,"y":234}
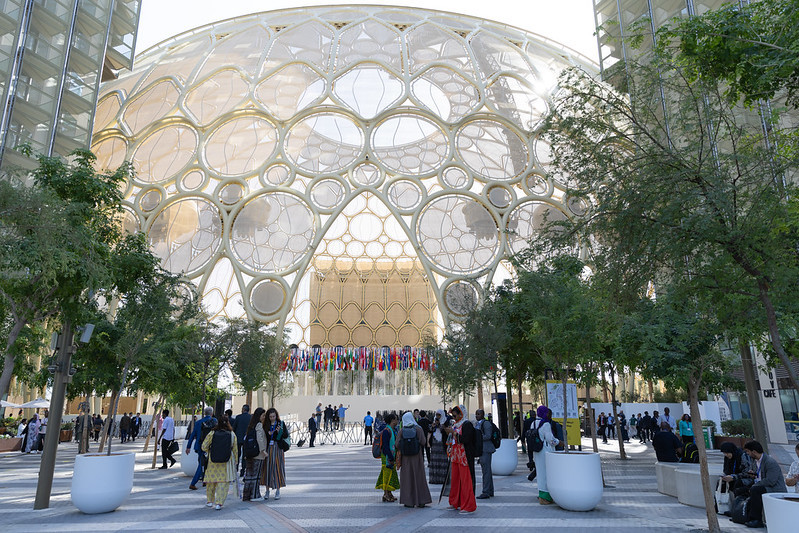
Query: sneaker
{"x":218,"y":507}
{"x":465,"y":512}
{"x":483,"y":497}
{"x":162,"y":468}
{"x":209,"y":504}
{"x":277,"y":494}
{"x":451,"y":508}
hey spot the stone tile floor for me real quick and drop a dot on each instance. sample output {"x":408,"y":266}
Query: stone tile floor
{"x":331,"y":489}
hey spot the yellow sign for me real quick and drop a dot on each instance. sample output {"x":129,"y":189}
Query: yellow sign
{"x":572,"y":430}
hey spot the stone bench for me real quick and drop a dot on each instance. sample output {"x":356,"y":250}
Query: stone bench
{"x":666,"y":477}
{"x":689,"y":483}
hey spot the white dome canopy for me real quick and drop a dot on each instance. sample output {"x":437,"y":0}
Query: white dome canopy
{"x":275,"y":149}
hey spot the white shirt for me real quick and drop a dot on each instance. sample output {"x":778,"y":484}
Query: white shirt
{"x":670,"y":420}
{"x":43,"y":426}
{"x":793,"y":471}
{"x":168,"y":428}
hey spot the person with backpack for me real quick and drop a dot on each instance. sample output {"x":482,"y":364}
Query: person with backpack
{"x":387,"y":480}
{"x":485,"y":431}
{"x":201,"y":430}
{"x":240,"y":425}
{"x":274,"y":473}
{"x":543,"y":441}
{"x":461,"y":493}
{"x":414,"y":491}
{"x":254,"y":451}
{"x":222,"y":449}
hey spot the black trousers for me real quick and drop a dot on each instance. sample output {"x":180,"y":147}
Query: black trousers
{"x":313,"y":438}
{"x":754,"y":510}
{"x":165,"y":451}
{"x":367,"y":434}
{"x":470,"y":460}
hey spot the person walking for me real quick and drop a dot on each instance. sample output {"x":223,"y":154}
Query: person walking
{"x":97,"y":426}
{"x":200,"y":430}
{"x":368,"y":421}
{"x":414,"y":491}
{"x":313,"y":427}
{"x":424,"y":422}
{"x":544,"y":427}
{"x":274,"y":473}
{"x":644,"y":428}
{"x":387,"y":480}
{"x":43,"y":430}
{"x":220,"y":445}
{"x":165,"y":439}
{"x":602,"y":424}
{"x":124,"y":428}
{"x":32,"y":434}
{"x":328,"y":417}
{"x":135,"y":426}
{"x":686,"y":429}
{"x":484,"y":428}
{"x":240,"y":425}
{"x":254,"y":465}
{"x":437,"y":465}
{"x":461,"y":494}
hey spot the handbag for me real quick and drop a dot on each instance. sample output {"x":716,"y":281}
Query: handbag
{"x":173,"y":447}
{"x":722,"y":497}
{"x":284,"y":443}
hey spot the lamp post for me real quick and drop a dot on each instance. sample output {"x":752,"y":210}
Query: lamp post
{"x":63,"y":373}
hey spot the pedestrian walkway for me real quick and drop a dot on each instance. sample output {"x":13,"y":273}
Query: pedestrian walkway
{"x":331,"y":489}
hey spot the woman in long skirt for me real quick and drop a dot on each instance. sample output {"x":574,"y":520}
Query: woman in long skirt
{"x":254,"y":465}
{"x":32,"y":444}
{"x":275,"y":467}
{"x":438,"y":450}
{"x":461,"y":493}
{"x":414,"y":491}
{"x":218,"y":476}
{"x":550,"y":442}
{"x":388,"y":481}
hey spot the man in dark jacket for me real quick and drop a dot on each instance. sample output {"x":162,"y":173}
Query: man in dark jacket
{"x":135,"y":426}
{"x":197,"y":436}
{"x":644,"y":427}
{"x":666,"y":444}
{"x":768,"y":478}
{"x":124,"y":427}
{"x":240,"y":429}
{"x":312,"y":429}
{"x":424,"y":423}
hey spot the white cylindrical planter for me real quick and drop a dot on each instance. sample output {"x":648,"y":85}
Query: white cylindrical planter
{"x":781,"y":509}
{"x":574,"y":479}
{"x":505,"y":459}
{"x":667,"y":478}
{"x":188,"y":462}
{"x":100,"y":482}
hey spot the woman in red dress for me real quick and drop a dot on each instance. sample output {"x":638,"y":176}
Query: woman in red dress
{"x":461,"y":494}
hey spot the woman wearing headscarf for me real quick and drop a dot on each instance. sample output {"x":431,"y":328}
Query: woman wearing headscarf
{"x":414,"y":491}
{"x":32,"y":432}
{"x":388,"y":481}
{"x":219,"y":475}
{"x":736,"y":465}
{"x":461,"y":493}
{"x":544,"y":426}
{"x":438,"y":449}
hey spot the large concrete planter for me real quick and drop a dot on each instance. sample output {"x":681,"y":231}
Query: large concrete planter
{"x":781,"y":509}
{"x":10,"y":445}
{"x":574,"y":479}
{"x":505,"y":459}
{"x":666,"y":474}
{"x":100,"y":482}
{"x":188,"y":462}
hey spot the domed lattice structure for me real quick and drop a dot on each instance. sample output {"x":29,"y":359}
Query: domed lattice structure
{"x":357,"y":174}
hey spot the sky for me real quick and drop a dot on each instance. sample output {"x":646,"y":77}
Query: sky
{"x":569,"y":22}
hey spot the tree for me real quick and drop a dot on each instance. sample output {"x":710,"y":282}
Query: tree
{"x":685,"y":177}
{"x":58,"y":235}
{"x":752,"y":48}
{"x":679,"y":340}
{"x":561,"y":317}
{"x":257,"y":352}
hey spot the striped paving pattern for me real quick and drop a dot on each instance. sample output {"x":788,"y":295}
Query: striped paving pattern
{"x":331,"y":489}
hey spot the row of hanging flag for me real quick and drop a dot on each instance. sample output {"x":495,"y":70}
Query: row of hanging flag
{"x":363,"y":358}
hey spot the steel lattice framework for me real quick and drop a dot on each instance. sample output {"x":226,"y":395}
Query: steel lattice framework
{"x":356,"y":174}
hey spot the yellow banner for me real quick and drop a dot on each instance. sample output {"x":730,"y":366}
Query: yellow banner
{"x":572,"y":430}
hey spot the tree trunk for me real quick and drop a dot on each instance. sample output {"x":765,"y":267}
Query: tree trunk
{"x":591,"y":419}
{"x":84,"y":437}
{"x":521,"y":408}
{"x":150,"y":431}
{"x":604,"y":385}
{"x":115,"y":403}
{"x":509,"y":400}
{"x":8,"y":357}
{"x":154,"y":428}
{"x":565,"y":411}
{"x":696,"y":424}
{"x":651,"y":391}
{"x":108,"y":423}
{"x":249,"y":398}
{"x":480,"y":399}
{"x":616,"y":423}
{"x":753,"y":394}
{"x":774,"y":333}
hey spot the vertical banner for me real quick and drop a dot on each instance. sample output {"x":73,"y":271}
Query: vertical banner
{"x":555,"y":403}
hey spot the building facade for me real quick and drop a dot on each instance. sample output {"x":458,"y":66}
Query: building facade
{"x":53,"y":56}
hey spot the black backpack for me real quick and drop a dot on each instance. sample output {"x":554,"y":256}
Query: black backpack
{"x":534,"y":441}
{"x":690,"y":453}
{"x":496,"y":436}
{"x":250,"y":446}
{"x":409,"y":443}
{"x":221,"y":444}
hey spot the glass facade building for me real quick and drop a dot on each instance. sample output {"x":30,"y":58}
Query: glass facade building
{"x":53,"y":56}
{"x":357,"y":175}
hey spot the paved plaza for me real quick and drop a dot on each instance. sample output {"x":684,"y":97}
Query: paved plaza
{"x":331,"y":489}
